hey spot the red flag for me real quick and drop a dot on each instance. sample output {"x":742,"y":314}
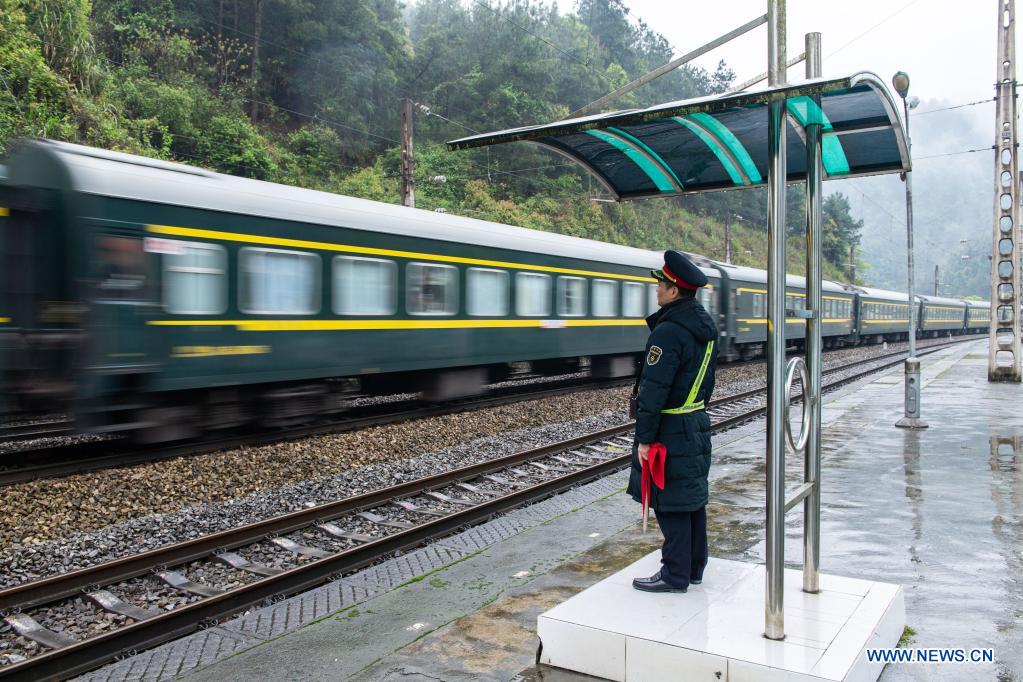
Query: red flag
{"x":653,"y":469}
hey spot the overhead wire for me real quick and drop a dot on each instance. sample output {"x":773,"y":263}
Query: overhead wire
{"x":887,"y":18}
{"x":950,"y":108}
{"x":963,"y":151}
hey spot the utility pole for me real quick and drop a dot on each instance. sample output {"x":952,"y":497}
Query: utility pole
{"x":728,"y":238}
{"x":852,"y":264}
{"x":257,"y":11}
{"x":935,"y":279}
{"x":1003,"y":362}
{"x":408,"y":183}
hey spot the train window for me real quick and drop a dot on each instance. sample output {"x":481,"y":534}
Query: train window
{"x":278,"y":282}
{"x":365,"y":286}
{"x":193,"y":280}
{"x":605,"y":298}
{"x":431,"y":289}
{"x":487,"y":292}
{"x":652,"y":306}
{"x":706,"y":298}
{"x":532,"y":294}
{"x":571,"y":296}
{"x":759,"y":305}
{"x":124,"y":271}
{"x":632,"y":299}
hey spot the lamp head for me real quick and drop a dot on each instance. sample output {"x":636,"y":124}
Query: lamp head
{"x":900,"y":81}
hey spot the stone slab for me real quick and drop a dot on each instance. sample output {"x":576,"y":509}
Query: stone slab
{"x":715,"y":631}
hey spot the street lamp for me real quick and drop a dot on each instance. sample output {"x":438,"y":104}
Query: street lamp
{"x":911,"y":419}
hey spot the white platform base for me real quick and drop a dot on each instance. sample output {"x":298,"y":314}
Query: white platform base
{"x":714,"y":632}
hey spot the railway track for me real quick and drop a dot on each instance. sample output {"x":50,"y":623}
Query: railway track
{"x":65,"y":459}
{"x":36,"y":430}
{"x":287,"y":554}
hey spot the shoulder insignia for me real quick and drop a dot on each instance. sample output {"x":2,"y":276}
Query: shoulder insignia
{"x":654,"y":355}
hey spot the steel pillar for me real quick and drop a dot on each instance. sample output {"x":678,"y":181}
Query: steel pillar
{"x":812,"y":458}
{"x":1004,"y":344}
{"x":777,"y":398}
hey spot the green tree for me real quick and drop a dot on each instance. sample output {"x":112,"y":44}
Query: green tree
{"x":840,"y":230}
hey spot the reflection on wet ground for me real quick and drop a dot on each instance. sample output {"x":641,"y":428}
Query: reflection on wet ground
{"x":939,"y":511}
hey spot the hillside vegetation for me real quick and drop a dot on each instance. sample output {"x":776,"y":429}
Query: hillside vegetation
{"x":308,"y":93}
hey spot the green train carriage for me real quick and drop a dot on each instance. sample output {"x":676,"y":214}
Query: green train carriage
{"x":747,"y":311}
{"x":203,"y":300}
{"x":978,"y":316}
{"x":940,"y":316}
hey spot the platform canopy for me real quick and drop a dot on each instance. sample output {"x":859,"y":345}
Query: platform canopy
{"x":719,"y":142}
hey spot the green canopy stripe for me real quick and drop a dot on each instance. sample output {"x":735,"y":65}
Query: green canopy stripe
{"x":653,"y":171}
{"x":715,"y":147}
{"x":808,"y":112}
{"x":654,"y":155}
{"x":732,"y":142}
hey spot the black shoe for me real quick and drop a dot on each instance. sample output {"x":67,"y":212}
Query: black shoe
{"x":656,"y":586}
{"x":646,"y":581}
{"x":696,"y":581}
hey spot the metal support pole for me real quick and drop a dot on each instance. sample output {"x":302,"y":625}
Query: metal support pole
{"x":774,"y":613}
{"x":812,"y":457}
{"x":408,"y":185}
{"x":911,"y":418}
{"x":1004,"y":335}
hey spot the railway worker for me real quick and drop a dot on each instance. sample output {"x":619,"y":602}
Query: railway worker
{"x":672,"y":427}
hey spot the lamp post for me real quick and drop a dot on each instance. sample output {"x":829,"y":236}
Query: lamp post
{"x":911,"y":419}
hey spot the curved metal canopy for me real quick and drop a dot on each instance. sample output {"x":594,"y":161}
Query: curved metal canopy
{"x":720,"y":142}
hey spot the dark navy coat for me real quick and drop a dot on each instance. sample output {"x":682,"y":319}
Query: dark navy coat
{"x":678,"y":340}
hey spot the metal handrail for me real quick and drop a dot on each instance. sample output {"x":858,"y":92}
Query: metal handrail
{"x":798,"y":365}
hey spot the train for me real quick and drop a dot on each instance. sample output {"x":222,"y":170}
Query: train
{"x":163,"y":301}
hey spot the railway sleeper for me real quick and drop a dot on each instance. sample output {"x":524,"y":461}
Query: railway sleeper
{"x":180,"y":582}
{"x":30,"y":628}
{"x":108,"y":601}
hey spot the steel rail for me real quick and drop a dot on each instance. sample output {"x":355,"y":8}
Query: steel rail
{"x":47,"y":429}
{"x":91,"y":652}
{"x":20,"y":466}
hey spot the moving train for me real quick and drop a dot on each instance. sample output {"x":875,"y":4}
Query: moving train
{"x":166,"y":301}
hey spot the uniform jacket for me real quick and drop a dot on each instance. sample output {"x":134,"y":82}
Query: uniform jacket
{"x":674,"y":352}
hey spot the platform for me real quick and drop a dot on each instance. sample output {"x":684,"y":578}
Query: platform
{"x":939,"y":512}
{"x":715,"y":630}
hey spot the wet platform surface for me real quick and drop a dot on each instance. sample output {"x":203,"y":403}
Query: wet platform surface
{"x":939,"y":511}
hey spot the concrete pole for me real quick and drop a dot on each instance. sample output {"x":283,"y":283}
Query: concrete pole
{"x":774,"y":613}
{"x":728,"y":238}
{"x":408,"y":183}
{"x":1004,"y":335}
{"x":814,"y":256}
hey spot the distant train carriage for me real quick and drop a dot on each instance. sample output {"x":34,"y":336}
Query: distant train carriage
{"x":978,"y":316}
{"x":883,"y":315}
{"x":941,"y":316}
{"x":747,"y":305}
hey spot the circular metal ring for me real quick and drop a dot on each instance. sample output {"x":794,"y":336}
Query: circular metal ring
{"x":797,"y":365}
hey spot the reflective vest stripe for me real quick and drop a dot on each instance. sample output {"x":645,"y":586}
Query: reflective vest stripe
{"x":690,"y":404}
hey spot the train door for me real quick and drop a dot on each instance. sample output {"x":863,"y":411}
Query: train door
{"x":40,"y":332}
{"x":122,"y":358}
